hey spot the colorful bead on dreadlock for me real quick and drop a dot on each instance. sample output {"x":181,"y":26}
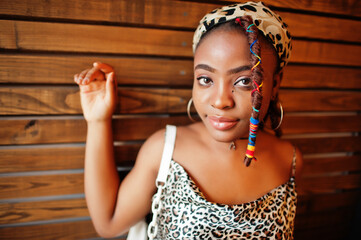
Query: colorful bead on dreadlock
{"x":259,"y":58}
{"x":253,"y":127}
{"x":257,"y":88}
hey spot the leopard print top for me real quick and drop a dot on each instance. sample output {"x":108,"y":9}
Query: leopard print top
{"x":186,"y":214}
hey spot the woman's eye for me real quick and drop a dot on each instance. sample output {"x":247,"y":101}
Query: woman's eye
{"x":243,"y":82}
{"x":204,"y":81}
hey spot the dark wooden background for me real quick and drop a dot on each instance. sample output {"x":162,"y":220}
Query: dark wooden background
{"x":43,"y":43}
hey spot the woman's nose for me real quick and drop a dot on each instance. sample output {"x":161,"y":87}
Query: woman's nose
{"x":223,"y":98}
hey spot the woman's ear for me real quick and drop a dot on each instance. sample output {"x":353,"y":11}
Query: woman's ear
{"x":277,"y":78}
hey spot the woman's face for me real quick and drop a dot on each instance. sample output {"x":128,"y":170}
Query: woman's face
{"x":222,"y":84}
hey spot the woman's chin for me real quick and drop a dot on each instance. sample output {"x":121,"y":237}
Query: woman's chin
{"x":226,"y":136}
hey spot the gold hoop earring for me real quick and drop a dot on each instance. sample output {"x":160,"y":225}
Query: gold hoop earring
{"x":279,"y":124}
{"x":189,"y":110}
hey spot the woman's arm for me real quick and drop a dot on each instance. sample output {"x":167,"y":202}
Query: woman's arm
{"x":114,"y":206}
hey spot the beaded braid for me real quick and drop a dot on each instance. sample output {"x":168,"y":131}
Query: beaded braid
{"x":251,"y":32}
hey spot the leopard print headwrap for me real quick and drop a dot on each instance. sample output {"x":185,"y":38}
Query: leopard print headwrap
{"x":268,"y":22}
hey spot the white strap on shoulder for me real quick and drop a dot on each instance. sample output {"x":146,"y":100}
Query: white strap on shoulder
{"x":170,"y":136}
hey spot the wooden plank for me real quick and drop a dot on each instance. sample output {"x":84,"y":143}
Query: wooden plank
{"x":304,"y":25}
{"x":33,"y":131}
{"x":65,"y":100}
{"x":325,"y":53}
{"x":72,"y":230}
{"x":317,"y":100}
{"x":23,"y":212}
{"x":8,"y":35}
{"x":154,"y":71}
{"x":309,"y":204}
{"x":165,"y":13}
{"x":328,"y":184}
{"x":293,"y":124}
{"x":36,"y":186}
{"x":121,"y":11}
{"x":127,"y":40}
{"x":300,"y":76}
{"x":15,"y":131}
{"x":328,"y":144}
{"x":334,"y":7}
{"x":37,"y":69}
{"x":42,"y":158}
{"x":312,"y":166}
{"x":88,"y":38}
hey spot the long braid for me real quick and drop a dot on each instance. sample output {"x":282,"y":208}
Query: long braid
{"x":256,"y":77}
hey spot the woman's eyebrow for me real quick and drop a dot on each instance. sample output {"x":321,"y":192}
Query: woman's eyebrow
{"x":205,"y":67}
{"x":239,"y":69}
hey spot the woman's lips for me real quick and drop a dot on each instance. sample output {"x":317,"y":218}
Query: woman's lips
{"x":222,"y":123}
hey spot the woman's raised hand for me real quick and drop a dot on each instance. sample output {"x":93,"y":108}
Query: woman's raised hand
{"x":98,"y":92}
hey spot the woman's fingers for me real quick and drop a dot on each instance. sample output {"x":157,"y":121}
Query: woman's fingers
{"x":100,"y":71}
{"x":76,"y":76}
{"x":82,"y":76}
{"x":110,"y":87}
{"x":93,"y":74}
{"x":105,"y":68}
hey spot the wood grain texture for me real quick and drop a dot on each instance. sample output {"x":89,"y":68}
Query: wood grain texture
{"x":165,"y":13}
{"x":325,"y":53}
{"x":65,"y":100}
{"x":18,"y":131}
{"x":42,"y":36}
{"x":72,"y":230}
{"x":300,"y":76}
{"x":87,"y":38}
{"x":41,"y":158}
{"x":56,"y":69}
{"x":35,"y":186}
{"x":320,"y":101}
{"x":48,"y":157}
{"x":43,"y":210}
{"x":335,"y":7}
{"x":328,"y":144}
{"x":293,"y":124}
{"x":316,"y":166}
{"x":40,"y":69}
{"x":328,"y":184}
{"x":303,"y":25}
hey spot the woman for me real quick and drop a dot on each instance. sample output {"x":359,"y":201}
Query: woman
{"x":212,"y":191}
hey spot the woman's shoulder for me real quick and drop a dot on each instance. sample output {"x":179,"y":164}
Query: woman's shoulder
{"x":150,"y":153}
{"x":283,"y":151}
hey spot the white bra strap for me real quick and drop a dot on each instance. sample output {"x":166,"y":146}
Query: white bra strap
{"x":170,"y":136}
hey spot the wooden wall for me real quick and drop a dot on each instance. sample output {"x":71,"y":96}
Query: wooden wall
{"x":43,"y":43}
